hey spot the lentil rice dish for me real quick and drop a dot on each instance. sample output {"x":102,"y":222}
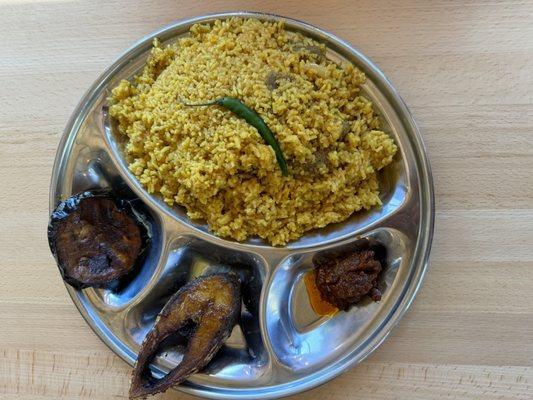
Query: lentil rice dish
{"x":217,"y":166}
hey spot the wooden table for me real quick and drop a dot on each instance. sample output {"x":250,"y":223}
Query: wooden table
{"x":466,"y":71}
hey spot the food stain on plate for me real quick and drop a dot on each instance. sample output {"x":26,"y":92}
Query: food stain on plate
{"x":320,"y":306}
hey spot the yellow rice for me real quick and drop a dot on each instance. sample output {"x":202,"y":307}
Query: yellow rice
{"x":217,"y":166}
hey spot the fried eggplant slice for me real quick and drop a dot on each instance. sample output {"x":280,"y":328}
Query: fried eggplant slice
{"x":96,"y":238}
{"x":208,"y":308}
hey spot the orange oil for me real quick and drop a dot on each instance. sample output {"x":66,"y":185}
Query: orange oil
{"x":319,"y":305}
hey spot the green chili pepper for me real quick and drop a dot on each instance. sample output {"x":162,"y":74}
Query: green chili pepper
{"x":253,"y":118}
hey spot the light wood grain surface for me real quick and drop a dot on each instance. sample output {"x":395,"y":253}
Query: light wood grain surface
{"x":466,"y":71}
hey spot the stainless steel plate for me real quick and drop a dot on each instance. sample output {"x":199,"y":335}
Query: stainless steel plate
{"x":280,"y":347}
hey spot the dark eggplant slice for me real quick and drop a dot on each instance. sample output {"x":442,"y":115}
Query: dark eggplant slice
{"x":96,"y":238}
{"x":206,"y":308}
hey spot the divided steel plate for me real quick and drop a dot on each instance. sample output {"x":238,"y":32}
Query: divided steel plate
{"x":281,"y":346}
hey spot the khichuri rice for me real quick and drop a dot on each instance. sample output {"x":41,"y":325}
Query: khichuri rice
{"x":217,"y":166}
